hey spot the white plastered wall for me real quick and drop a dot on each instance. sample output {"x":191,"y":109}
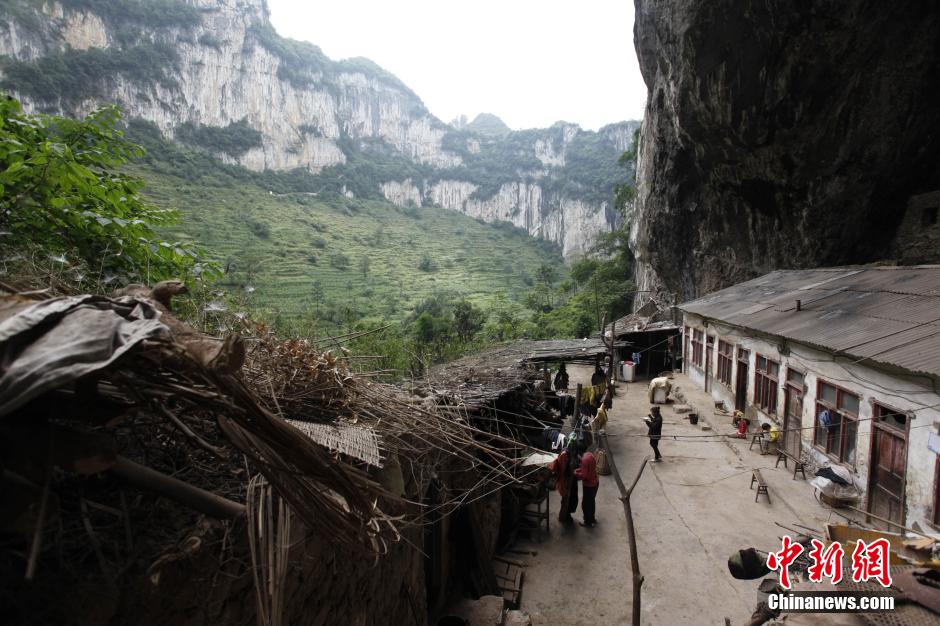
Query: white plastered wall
{"x":908,"y":393}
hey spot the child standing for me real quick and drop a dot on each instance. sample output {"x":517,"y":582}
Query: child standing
{"x":654,"y":428}
{"x":587,"y":474}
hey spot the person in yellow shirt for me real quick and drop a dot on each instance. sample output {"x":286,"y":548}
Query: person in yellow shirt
{"x":600,"y":420}
{"x":771,"y":437}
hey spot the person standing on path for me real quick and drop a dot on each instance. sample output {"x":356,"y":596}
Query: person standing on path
{"x":561,"y":378}
{"x":654,"y":427}
{"x":565,"y":484}
{"x":587,"y":474}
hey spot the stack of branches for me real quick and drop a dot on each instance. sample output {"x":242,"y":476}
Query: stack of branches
{"x":166,"y":419}
{"x":331,"y":497}
{"x":500,"y":391}
{"x":299,"y":382}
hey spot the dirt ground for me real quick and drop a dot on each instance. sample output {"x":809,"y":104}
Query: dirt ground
{"x":691,"y":511}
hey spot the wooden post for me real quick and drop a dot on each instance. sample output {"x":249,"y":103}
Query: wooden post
{"x":610,"y":351}
{"x":628,"y":514}
{"x":577,"y":407}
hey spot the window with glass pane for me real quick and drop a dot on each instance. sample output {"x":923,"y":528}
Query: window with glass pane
{"x":725,"y":350}
{"x":765,"y":384}
{"x":849,"y":402}
{"x":839,"y":440}
{"x":819,"y":435}
{"x":890,"y":417}
{"x":795,"y":377}
{"x":850,"y":428}
{"x":834,"y":436}
{"x":697,"y":337}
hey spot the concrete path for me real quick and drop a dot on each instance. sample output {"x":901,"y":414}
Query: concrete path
{"x":692,"y":511}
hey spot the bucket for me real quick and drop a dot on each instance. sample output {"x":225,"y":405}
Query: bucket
{"x":693,"y":418}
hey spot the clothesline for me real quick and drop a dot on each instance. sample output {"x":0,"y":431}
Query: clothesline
{"x":710,"y":437}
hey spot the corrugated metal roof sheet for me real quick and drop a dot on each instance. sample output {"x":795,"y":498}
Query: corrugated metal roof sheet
{"x":889,"y":315}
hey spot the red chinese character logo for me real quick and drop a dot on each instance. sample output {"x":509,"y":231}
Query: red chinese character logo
{"x":826,"y":562}
{"x":782,"y":560}
{"x":871,"y":561}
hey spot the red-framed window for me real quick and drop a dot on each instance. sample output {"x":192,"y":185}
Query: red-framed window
{"x":709,"y":354}
{"x":839,"y":439}
{"x":697,"y":338}
{"x":766,"y":383}
{"x":725,"y":357}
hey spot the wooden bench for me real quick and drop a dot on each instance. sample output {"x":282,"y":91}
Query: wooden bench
{"x":761,"y":485}
{"x":798,"y":465}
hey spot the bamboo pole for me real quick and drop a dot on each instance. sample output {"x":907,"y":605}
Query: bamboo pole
{"x":887,"y":521}
{"x":184,"y":493}
{"x":631,"y":531}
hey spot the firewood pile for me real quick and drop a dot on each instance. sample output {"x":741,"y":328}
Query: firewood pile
{"x":125,"y":434}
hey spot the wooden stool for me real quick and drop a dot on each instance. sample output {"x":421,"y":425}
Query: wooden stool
{"x":761,"y":485}
{"x":757,"y":438}
{"x":798,"y":465}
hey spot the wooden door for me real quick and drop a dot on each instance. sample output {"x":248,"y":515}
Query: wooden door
{"x":792,"y":420}
{"x":887,"y":474}
{"x":740,"y":387}
{"x":709,"y":353}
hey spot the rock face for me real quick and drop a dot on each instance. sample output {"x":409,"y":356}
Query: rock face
{"x":231,"y":66}
{"x":538,"y":188}
{"x":779,"y":135}
{"x":218,"y":65}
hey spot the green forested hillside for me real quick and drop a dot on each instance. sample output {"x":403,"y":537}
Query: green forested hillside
{"x":310,"y":263}
{"x":333,"y":261}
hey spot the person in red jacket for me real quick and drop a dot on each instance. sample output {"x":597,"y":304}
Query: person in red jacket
{"x":565,"y":483}
{"x":587,"y":474}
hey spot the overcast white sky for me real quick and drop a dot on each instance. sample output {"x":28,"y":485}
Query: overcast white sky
{"x":531,"y":62}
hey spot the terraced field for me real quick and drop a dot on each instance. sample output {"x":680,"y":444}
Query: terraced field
{"x":298,"y":257}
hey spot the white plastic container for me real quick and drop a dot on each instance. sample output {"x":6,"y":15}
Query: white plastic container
{"x":628,"y":371}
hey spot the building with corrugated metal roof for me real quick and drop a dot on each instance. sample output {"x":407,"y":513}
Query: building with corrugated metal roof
{"x":846,"y":362}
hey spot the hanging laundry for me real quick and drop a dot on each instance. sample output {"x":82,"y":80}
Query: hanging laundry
{"x":825,"y":419}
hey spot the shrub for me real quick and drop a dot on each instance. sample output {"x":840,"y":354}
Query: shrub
{"x":260,"y":229}
{"x":339,"y":260}
{"x":61,"y":187}
{"x":210,"y":41}
{"x":426,"y":264}
{"x":234,"y":140}
{"x":79,"y":75}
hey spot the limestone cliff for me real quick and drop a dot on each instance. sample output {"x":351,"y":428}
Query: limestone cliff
{"x":213,"y":74}
{"x":223,"y":66}
{"x":779,"y":135}
{"x":555,"y":183}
